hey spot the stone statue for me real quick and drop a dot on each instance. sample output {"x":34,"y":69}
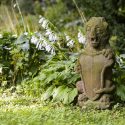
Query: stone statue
{"x":95,"y":64}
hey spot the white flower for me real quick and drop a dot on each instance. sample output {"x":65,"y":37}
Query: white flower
{"x":53,"y":51}
{"x":4,"y":95}
{"x":122,"y":56}
{"x":44,"y":43}
{"x":1,"y":70}
{"x":34,"y":40}
{"x":81,"y":38}
{"x":41,"y":41}
{"x":48,"y":32}
{"x":14,"y":36}
{"x":32,"y":106}
{"x":69,"y":40}
{"x":5,"y":47}
{"x":41,"y":19}
{"x":25,"y":46}
{"x":14,"y":5}
{"x":40,"y":46}
{"x":48,"y":48}
{"x":26,"y":33}
{"x":70,"y":43}
{"x":44,"y":22}
{"x":67,"y":37}
{"x":37,"y":45}
{"x":120,"y":60}
{"x":41,"y":38}
{"x":1,"y":36}
{"x":53,"y":37}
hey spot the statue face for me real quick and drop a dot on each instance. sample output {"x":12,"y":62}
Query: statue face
{"x":95,"y":30}
{"x":93,"y":36}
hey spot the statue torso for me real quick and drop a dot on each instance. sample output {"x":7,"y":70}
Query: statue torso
{"x":91,"y":70}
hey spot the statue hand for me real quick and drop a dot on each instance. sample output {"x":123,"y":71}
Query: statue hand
{"x":108,"y":53}
{"x":78,"y":69}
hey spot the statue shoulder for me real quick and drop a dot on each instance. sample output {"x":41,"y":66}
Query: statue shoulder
{"x":82,"y":52}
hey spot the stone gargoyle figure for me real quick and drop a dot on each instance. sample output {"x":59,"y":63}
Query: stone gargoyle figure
{"x":95,"y":65}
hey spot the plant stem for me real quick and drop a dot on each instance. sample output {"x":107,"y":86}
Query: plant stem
{"x":80,"y":13}
{"x":21,"y":15}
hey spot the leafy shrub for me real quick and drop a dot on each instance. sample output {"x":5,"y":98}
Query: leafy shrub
{"x":56,"y":79}
{"x":6,"y":42}
{"x":52,"y":50}
{"x":17,"y":58}
{"x":42,"y":63}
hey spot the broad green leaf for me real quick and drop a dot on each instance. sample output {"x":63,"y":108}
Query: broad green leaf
{"x":57,"y":91}
{"x":121,"y":92}
{"x":66,"y":96}
{"x":72,"y":95}
{"x":48,"y":93}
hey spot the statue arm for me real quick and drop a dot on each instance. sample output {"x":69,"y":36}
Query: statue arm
{"x":105,"y":88}
{"x":78,"y":67}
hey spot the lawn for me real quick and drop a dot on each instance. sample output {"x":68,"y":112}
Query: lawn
{"x":32,"y":111}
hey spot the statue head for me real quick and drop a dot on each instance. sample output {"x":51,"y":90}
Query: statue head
{"x":97,"y":34}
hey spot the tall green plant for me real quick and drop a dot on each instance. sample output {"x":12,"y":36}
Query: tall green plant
{"x":56,"y":80}
{"x":119,"y":76}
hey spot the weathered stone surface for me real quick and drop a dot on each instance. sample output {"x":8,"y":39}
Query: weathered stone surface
{"x":95,"y":64}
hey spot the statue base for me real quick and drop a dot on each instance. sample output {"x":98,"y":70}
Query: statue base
{"x":84,"y":102}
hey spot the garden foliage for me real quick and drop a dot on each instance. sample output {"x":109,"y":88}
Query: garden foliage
{"x":41,"y":63}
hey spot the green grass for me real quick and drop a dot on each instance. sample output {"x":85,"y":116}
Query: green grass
{"x":31,"y":111}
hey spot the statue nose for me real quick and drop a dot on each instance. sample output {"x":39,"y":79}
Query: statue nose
{"x":92,"y":34}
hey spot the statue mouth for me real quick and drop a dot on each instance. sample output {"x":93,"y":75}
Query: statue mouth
{"x":94,"y":40}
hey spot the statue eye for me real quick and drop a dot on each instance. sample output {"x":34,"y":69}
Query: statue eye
{"x":88,"y":28}
{"x":98,"y":31}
